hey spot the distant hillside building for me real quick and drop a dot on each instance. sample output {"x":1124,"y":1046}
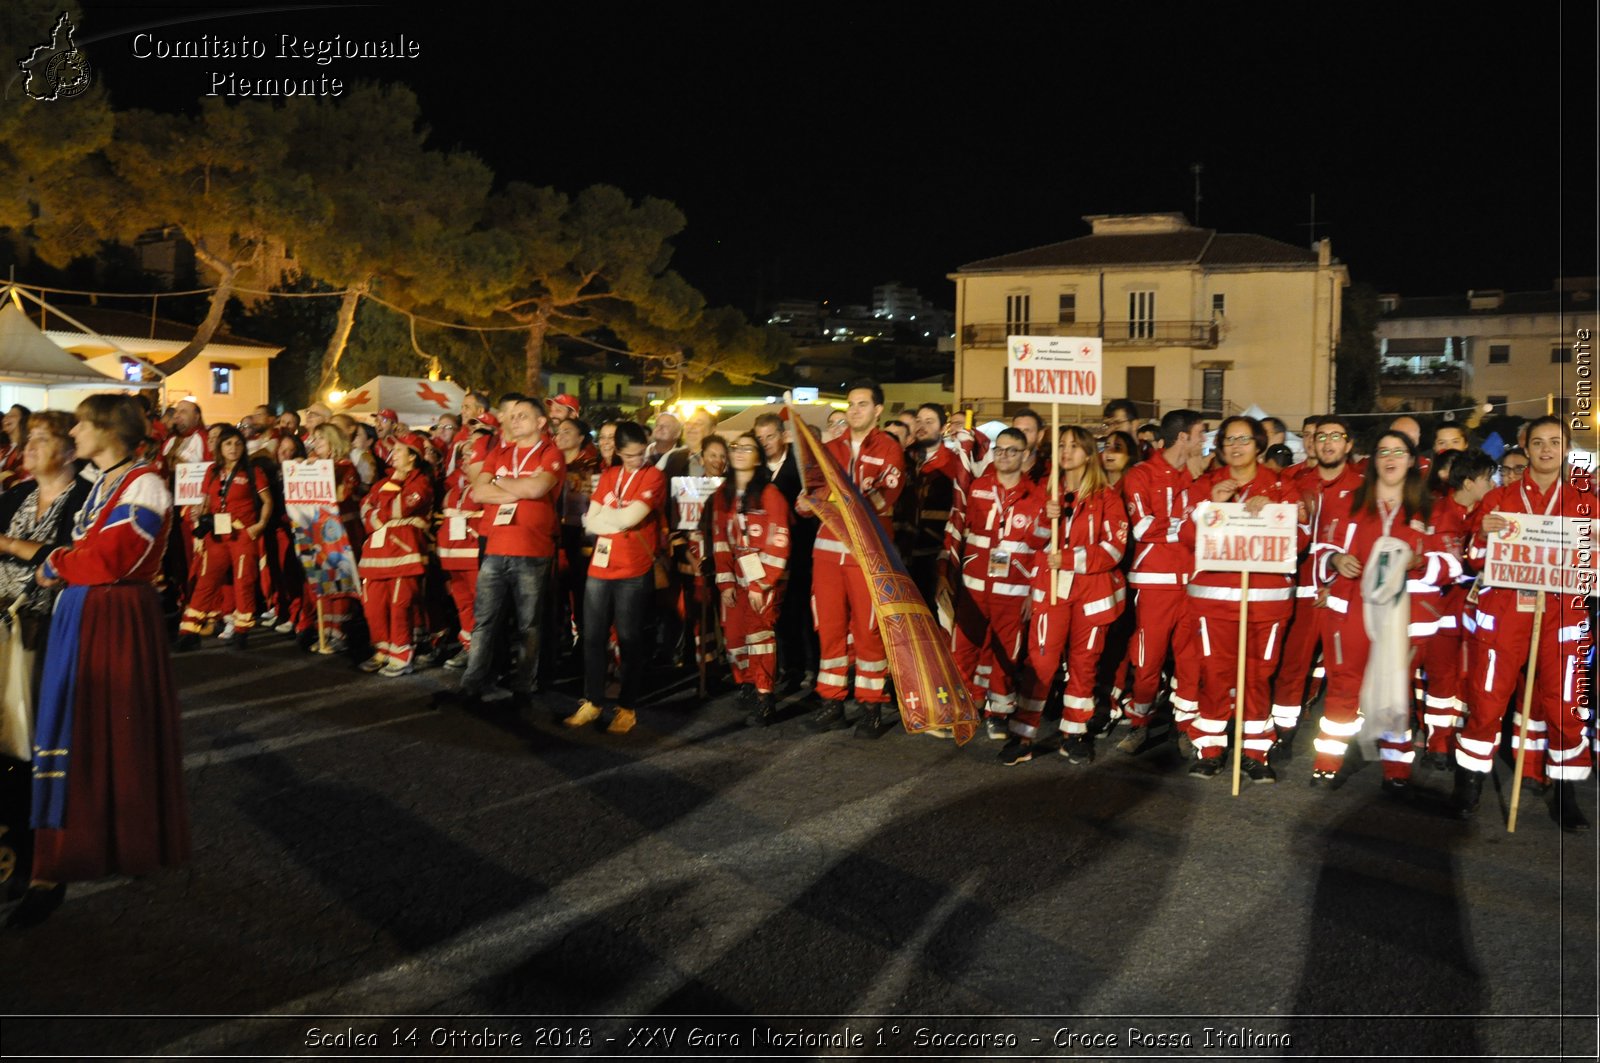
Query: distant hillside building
{"x":1509,"y":349}
{"x":1189,"y":316}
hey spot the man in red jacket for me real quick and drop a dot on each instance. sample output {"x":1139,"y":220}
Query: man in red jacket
{"x":847,"y":627}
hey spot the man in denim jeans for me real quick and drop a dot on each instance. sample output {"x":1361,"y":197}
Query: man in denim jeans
{"x":519,"y":486}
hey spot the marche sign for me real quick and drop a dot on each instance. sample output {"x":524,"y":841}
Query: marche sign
{"x":1534,"y":552}
{"x":1229,"y":539}
{"x":1054,"y":369}
{"x":188,"y":483}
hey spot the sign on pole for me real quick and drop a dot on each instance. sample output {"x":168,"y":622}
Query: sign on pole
{"x":692,"y":493}
{"x":1534,"y":552}
{"x":1054,"y":369}
{"x":1227,"y":539}
{"x":320,"y":540}
{"x":188,"y":482}
{"x":309,"y":483}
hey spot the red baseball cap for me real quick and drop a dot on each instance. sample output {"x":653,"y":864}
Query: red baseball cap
{"x":488,"y":419}
{"x":569,"y":401}
{"x":388,"y":414}
{"x":415,"y":442}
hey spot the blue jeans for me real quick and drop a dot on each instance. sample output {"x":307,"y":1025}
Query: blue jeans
{"x":523,"y":580}
{"x":624,"y":603}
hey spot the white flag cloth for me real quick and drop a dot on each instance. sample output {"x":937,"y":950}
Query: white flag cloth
{"x":1386,"y":686}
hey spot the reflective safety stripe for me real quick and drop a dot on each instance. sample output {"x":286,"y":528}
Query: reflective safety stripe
{"x":1572,"y":632}
{"x":871,"y":666}
{"x":1401,"y":756}
{"x":1272,"y":640}
{"x":1231,"y":594}
{"x":1077,"y":703}
{"x":863,"y":683}
{"x":1485,"y":620}
{"x":1304,"y":591}
{"x":1341,"y":730}
{"x":1338,"y":605}
{"x":1153,"y":579}
{"x":1332,"y":747}
{"x":1286,"y":715}
{"x":1205,"y":638}
{"x":834,"y":662}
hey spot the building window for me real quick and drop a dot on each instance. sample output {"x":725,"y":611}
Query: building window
{"x":1141,"y":315}
{"x":222,"y":378}
{"x":561,"y":387}
{"x":618,"y":392}
{"x":1018,"y":314}
{"x":1219,"y":305}
{"x":1211,"y":391}
{"x":1499,"y":353}
{"x":1561,"y":354}
{"x":1499,"y":404}
{"x":1067,"y":312}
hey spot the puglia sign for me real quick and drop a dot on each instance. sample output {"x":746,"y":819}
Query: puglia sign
{"x":1054,"y":369}
{"x":1538,"y":553}
{"x":1227,"y":539}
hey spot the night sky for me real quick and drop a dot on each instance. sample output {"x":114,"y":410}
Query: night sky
{"x":820,"y":150}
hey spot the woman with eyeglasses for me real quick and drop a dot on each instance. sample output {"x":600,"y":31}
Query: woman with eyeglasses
{"x":1215,"y":599}
{"x":750,"y":549}
{"x":1089,"y":592}
{"x":1383,"y":571}
{"x":1558,"y":740}
{"x":232,"y":519}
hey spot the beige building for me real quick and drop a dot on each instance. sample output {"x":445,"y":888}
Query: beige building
{"x":1189,"y":317}
{"x":1513,"y":350}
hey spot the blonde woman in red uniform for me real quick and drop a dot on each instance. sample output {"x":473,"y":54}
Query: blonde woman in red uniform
{"x":397,"y":513}
{"x":1215,"y":599}
{"x":750,"y":548}
{"x":236,"y":510}
{"x":1392,"y":503}
{"x":1090,"y":592}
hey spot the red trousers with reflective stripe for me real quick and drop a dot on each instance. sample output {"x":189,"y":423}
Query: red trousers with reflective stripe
{"x":847,"y":632}
{"x":1219,"y":670}
{"x":1345,"y":650}
{"x":1294,"y":666}
{"x":1061,"y":635}
{"x":1557,"y":745}
{"x":1161,"y":613}
{"x":752,"y":648}
{"x":236,"y":557}
{"x":394,"y":611}
{"x":988,"y":635}
{"x":463,"y":586}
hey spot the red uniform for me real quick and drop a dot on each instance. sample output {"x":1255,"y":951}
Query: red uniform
{"x":1072,"y":632}
{"x":1324,"y":498}
{"x":750,"y":548}
{"x":1158,"y":502}
{"x":232,"y":556}
{"x":1215,"y":598}
{"x":397,"y":513}
{"x":989,"y":546}
{"x":840,"y":602}
{"x":458,"y":547}
{"x":1556,"y":740}
{"x":1345,"y":635}
{"x":1444,"y":658}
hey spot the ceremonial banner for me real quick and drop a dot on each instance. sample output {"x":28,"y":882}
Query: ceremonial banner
{"x":692,"y":493}
{"x":1227,"y":539}
{"x":188,"y":482}
{"x":320,"y":540}
{"x":929,"y":687}
{"x":1538,"y":553}
{"x":1054,"y":369}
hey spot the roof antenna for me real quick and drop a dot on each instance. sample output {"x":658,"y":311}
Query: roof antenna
{"x":1312,"y":224}
{"x":1195,"y":168}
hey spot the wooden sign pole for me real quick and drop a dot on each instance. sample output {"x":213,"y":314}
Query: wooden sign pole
{"x":1527,"y":710}
{"x":322,"y":632}
{"x":1238,"y":688}
{"x":1055,"y":488}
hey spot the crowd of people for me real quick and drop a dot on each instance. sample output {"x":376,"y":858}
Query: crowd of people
{"x":507,"y":538}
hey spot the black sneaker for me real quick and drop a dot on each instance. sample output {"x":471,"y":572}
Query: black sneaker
{"x":872,"y":724}
{"x":1567,"y":811}
{"x":747,"y":696}
{"x":1206,"y":768}
{"x":828,"y":718}
{"x":1016,"y":751}
{"x":764,"y":711}
{"x":1436,"y":761}
{"x":186,"y":643}
{"x":1257,"y":770}
{"x":1397,"y":787}
{"x":1326,"y":780}
{"x":1468,"y":791}
{"x":1079,"y":749}
{"x":1283,"y":748}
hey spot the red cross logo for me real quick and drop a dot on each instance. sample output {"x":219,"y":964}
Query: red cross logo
{"x":355,"y":400}
{"x":427,"y":394}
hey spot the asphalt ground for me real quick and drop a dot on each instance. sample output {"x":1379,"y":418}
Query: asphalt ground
{"x":366,"y":866}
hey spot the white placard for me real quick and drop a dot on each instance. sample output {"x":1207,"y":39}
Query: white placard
{"x":1227,"y":539}
{"x":189,"y":482}
{"x":1054,"y":369}
{"x":309,"y":483}
{"x":1534,"y":552}
{"x":692,"y":493}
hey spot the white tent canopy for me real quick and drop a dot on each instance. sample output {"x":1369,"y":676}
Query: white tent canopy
{"x":418,"y":400}
{"x":745,"y":420}
{"x":30,"y":358}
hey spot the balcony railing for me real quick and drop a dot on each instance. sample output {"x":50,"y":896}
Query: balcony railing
{"x":1203,"y":334}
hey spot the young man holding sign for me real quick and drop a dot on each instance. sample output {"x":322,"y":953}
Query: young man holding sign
{"x":1505,"y":616}
{"x":1216,"y":595}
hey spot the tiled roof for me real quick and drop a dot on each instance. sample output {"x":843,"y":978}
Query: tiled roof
{"x":135,"y":326}
{"x":1513,"y":303}
{"x":1205,"y":247}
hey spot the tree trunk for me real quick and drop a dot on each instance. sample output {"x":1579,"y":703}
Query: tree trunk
{"x":228,"y":273}
{"x":533,"y":356}
{"x":341,"y":337}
